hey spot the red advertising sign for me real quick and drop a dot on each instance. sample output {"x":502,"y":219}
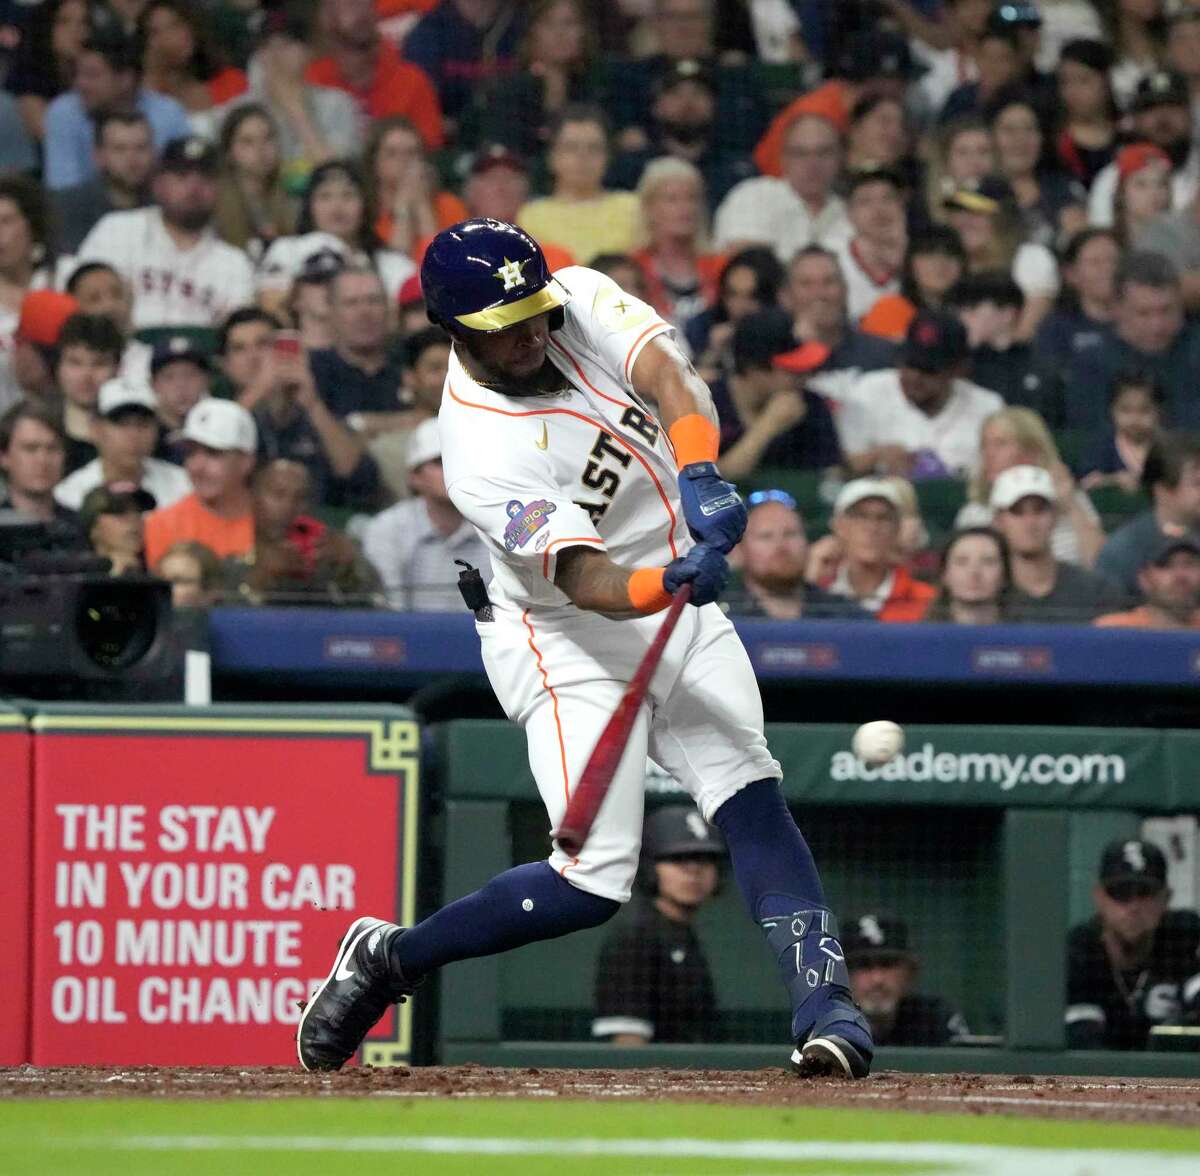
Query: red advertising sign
{"x":14,"y":910}
{"x":194,"y":873}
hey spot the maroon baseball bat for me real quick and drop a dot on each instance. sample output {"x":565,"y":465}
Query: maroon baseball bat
{"x":597,"y":775}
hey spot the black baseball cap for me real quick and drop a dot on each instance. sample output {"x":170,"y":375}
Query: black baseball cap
{"x":1167,"y":546}
{"x":1160,"y":88}
{"x":188,"y":154}
{"x":877,"y":53}
{"x":114,"y":498}
{"x":678,"y":830}
{"x":759,"y":337}
{"x":177,"y":348}
{"x":935,"y":342}
{"x":492,"y":155}
{"x":686,"y":69}
{"x":1133,"y":865}
{"x":1014,"y":16}
{"x":989,"y":195}
{"x":874,"y":938}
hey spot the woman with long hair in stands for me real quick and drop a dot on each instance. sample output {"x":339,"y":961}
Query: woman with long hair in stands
{"x":557,"y":56}
{"x":750,"y":281}
{"x":335,"y":217}
{"x":252,"y":207}
{"x":44,"y":63}
{"x":975,"y":579}
{"x":1136,"y":29}
{"x":179,"y":61}
{"x":403,"y":188}
{"x":1087,"y":129}
{"x":1019,"y":436}
{"x":681,"y":275}
{"x":962,"y":153}
{"x":933,"y":263}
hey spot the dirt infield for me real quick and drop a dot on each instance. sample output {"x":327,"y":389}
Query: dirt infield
{"x":1167,"y":1101}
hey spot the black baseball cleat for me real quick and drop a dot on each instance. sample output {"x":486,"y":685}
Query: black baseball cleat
{"x":828,"y":1056}
{"x":356,"y":993}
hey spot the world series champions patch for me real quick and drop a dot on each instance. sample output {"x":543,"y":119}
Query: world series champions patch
{"x":526,"y":521}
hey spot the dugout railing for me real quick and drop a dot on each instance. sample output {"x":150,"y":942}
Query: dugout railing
{"x":984,"y":839}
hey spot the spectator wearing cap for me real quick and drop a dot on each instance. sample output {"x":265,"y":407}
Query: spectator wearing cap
{"x":112,"y":517}
{"x":1002,"y":66}
{"x":1024,"y":507}
{"x":1171,"y":476}
{"x":1117,"y":455}
{"x":498,"y":187}
{"x":1143,"y":190}
{"x":124,"y":157}
{"x":883,"y":973}
{"x":921,"y":418}
{"x":335,"y":217}
{"x":307,"y":301}
{"x":413,"y":545}
{"x":866,"y":522}
{"x":556,"y":66}
{"x":107,"y":77}
{"x":313,"y":122}
{"x":772,"y":558}
{"x":221,"y":442}
{"x":1160,"y":113}
{"x":181,"y":377}
{"x":1088,"y":111}
{"x":580,"y":214}
{"x":403,"y":188}
{"x":297,"y":558}
{"x":89,"y":353}
{"x":460,"y":45}
{"x":768,"y":416}
{"x":987,"y":219}
{"x":652,"y":980}
{"x":1176,"y":235}
{"x":125,"y":431}
{"x":1149,"y":333}
{"x":35,"y":346}
{"x":368,"y":68}
{"x":870,"y":261}
{"x":799,"y":208}
{"x":180,"y":272}
{"x":1169,"y":583}
{"x":1134,"y":964}
{"x":815,"y":295}
{"x":272,"y":378}
{"x":32,"y":452}
{"x":989,"y":305}
{"x":683,"y":124}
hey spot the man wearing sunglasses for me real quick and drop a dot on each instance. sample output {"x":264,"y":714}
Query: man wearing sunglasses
{"x":1135,"y":964}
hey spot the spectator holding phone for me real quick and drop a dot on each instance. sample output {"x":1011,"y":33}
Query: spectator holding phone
{"x":271,"y":373}
{"x":297,"y":558}
{"x":181,"y":376}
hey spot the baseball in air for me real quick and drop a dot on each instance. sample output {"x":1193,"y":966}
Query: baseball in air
{"x":878,"y":742}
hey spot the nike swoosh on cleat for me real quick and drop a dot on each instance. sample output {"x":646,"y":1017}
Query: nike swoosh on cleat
{"x":342,"y":973}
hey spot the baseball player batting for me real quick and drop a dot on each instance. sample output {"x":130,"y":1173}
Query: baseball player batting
{"x":581,"y":445}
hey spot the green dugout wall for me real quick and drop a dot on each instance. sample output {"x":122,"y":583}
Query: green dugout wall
{"x":985,"y":839}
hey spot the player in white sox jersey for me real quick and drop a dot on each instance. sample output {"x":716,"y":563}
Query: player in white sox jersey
{"x":581,"y":444}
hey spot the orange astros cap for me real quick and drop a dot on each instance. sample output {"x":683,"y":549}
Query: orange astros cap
{"x":43,"y":313}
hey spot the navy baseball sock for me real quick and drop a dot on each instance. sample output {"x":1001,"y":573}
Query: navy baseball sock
{"x":778,"y":879}
{"x":520,"y":906}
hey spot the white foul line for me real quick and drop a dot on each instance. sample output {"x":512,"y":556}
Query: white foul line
{"x":968,"y":1159}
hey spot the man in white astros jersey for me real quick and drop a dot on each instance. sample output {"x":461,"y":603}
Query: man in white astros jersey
{"x":580,"y":443}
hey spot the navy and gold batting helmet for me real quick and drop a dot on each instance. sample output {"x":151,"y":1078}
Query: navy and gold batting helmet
{"x":486,"y":275}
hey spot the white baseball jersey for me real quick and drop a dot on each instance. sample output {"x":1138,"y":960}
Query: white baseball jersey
{"x":172,"y":287}
{"x":592,"y":465}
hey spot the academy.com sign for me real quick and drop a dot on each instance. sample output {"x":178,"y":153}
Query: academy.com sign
{"x":990,"y":768}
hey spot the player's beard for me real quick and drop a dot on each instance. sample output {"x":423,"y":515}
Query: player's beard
{"x":191,"y":219}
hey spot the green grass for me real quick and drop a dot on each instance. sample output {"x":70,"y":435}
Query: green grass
{"x":318,"y":1137}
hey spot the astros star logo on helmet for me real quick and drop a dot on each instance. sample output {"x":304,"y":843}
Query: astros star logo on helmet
{"x":510,"y":274}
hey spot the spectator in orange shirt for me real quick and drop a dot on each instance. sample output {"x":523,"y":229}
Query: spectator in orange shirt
{"x":222,"y":441}
{"x":402,"y":188}
{"x":1170,"y":582}
{"x":367,"y":67}
{"x":866,"y":520}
